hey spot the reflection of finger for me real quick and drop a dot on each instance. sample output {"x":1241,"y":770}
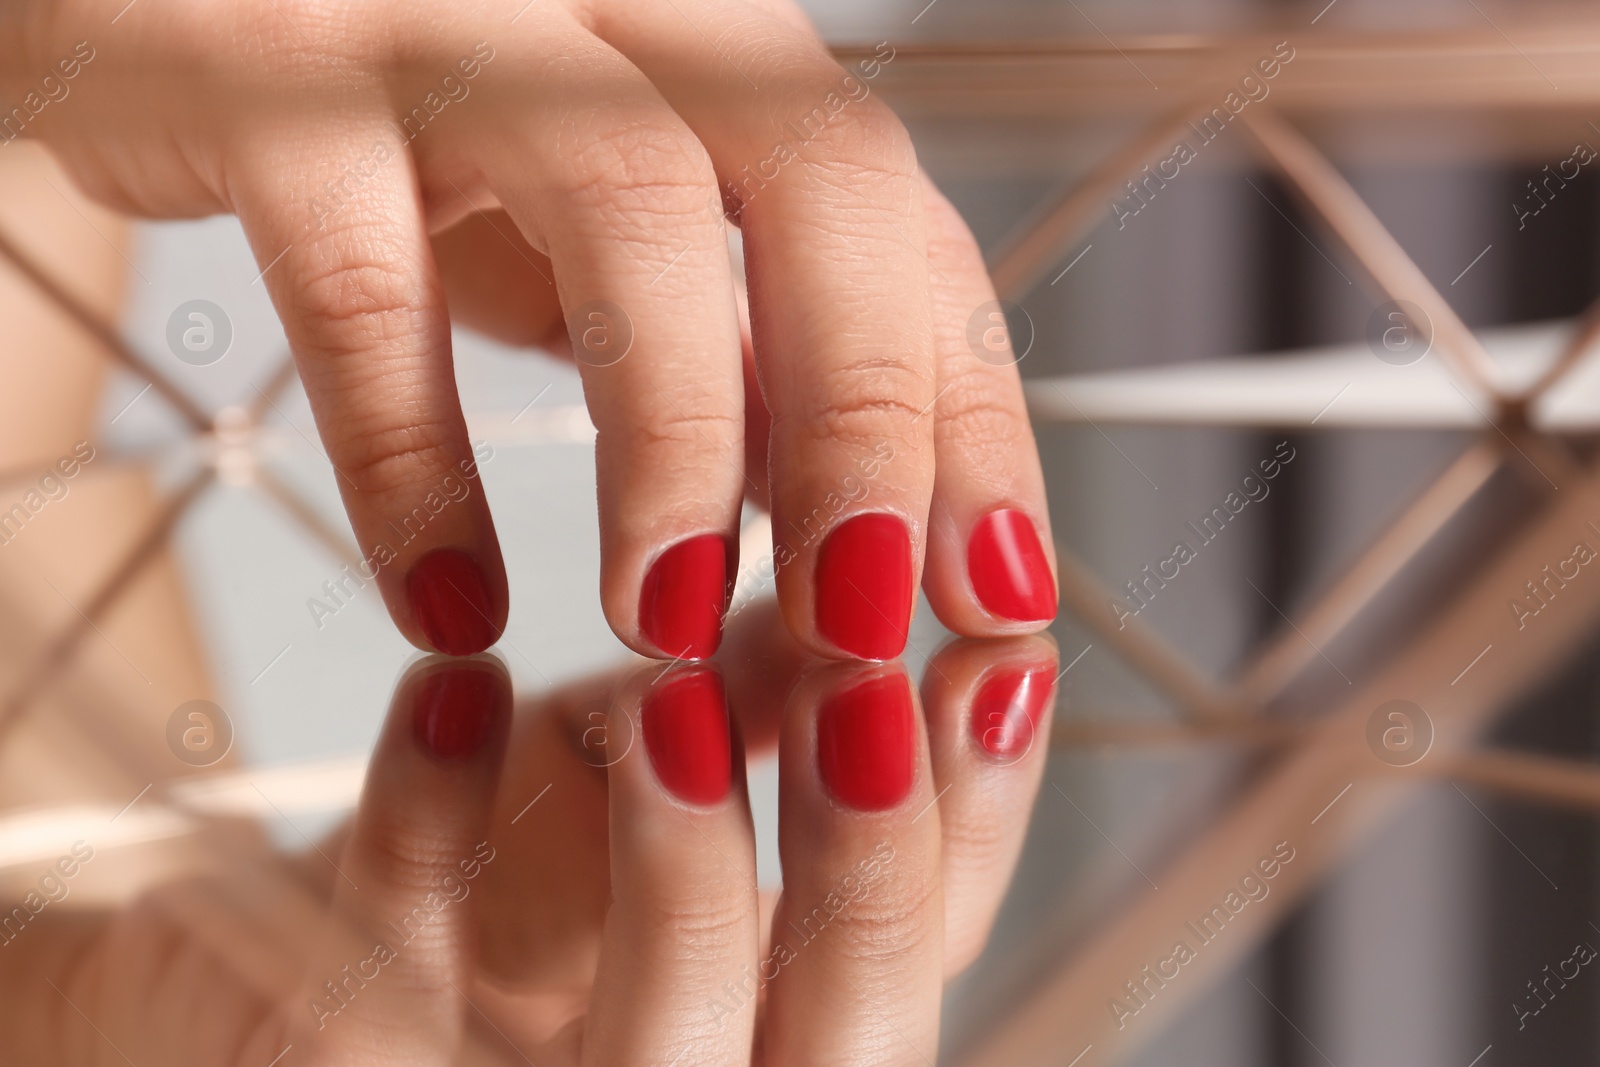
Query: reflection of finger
{"x":397,"y":960}
{"x":853,"y":971}
{"x":987,"y":704}
{"x":674,"y":984}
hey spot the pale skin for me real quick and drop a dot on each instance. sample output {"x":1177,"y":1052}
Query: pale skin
{"x":583,"y":153}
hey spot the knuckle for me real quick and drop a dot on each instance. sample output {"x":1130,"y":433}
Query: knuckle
{"x":873,"y":400}
{"x":895,"y":920}
{"x":675,"y":429}
{"x":703,"y":922}
{"x":676,"y":424}
{"x":358,"y":302}
{"x":638,"y":161}
{"x":853,"y":137}
{"x":385,"y":454}
{"x":399,"y":857}
{"x":972,"y":416}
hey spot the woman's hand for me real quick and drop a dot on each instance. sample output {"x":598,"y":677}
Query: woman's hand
{"x":470,"y":916}
{"x":520,"y":155}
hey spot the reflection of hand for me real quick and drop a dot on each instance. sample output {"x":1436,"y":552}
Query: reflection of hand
{"x":463,"y":926}
{"x":384,"y":160}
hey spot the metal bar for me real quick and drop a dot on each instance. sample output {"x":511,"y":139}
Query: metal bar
{"x":1139,"y":731}
{"x":1578,"y":345}
{"x":1084,"y":596}
{"x":1280,"y":660}
{"x":103,"y":332}
{"x":60,"y":648}
{"x":297,"y":508}
{"x":1562,"y":783}
{"x":1326,"y":190}
{"x":276,"y":384}
{"x":1027,"y":254}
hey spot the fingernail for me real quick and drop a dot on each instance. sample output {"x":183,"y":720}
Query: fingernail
{"x":863,"y":586}
{"x":1008,"y":567}
{"x":1007,"y":708}
{"x":864,"y":743}
{"x":684,"y":596}
{"x":453,"y":711}
{"x":451,"y":601}
{"x":686,"y":734}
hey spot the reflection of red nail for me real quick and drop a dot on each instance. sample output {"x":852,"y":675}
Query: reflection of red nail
{"x":686,"y":734}
{"x":451,"y":600}
{"x":1007,"y":707}
{"x":863,"y":586}
{"x":866,"y":743}
{"x":453,"y":710}
{"x":1008,"y":567}
{"x":684,"y":595}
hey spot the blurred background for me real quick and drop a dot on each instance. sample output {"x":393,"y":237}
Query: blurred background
{"x":1431,"y":901}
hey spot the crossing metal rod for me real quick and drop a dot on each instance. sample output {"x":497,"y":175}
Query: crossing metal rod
{"x":61,"y":647}
{"x":1020,"y":264}
{"x":1395,"y":273}
{"x":103,"y":332}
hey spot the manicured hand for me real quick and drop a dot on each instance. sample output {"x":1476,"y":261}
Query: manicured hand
{"x":392,"y":161}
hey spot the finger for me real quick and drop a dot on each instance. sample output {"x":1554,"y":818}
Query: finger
{"x":388,"y":979}
{"x":854,"y":970}
{"x":613,"y":185}
{"x":991,"y":561}
{"x":988,"y":705}
{"x":824,"y":180}
{"x":360,"y":300}
{"x":676,"y":981}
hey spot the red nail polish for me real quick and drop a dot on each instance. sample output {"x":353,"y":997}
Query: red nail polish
{"x":453,"y":710}
{"x":1008,"y":568}
{"x":684,"y":596}
{"x":1007,"y":708}
{"x":865,"y":743}
{"x":451,"y":600}
{"x":863,"y":586}
{"x":686,"y":733}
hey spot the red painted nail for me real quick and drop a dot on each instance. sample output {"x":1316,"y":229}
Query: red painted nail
{"x":1007,"y":708}
{"x":454,"y":709}
{"x":865,"y":743}
{"x":684,"y":596}
{"x":451,"y":601}
{"x":864,"y":586}
{"x":686,"y":734}
{"x":1008,"y":568}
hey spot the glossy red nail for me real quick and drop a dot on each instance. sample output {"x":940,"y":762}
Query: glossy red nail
{"x":863,"y":586}
{"x":1008,"y":567}
{"x":451,"y":600}
{"x":454,"y":709}
{"x":1007,"y":708}
{"x":684,"y":596}
{"x":866,"y":743}
{"x":686,"y":734}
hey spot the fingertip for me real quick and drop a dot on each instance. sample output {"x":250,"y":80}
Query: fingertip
{"x":1008,"y":569}
{"x":684,"y":596}
{"x":452,"y":604}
